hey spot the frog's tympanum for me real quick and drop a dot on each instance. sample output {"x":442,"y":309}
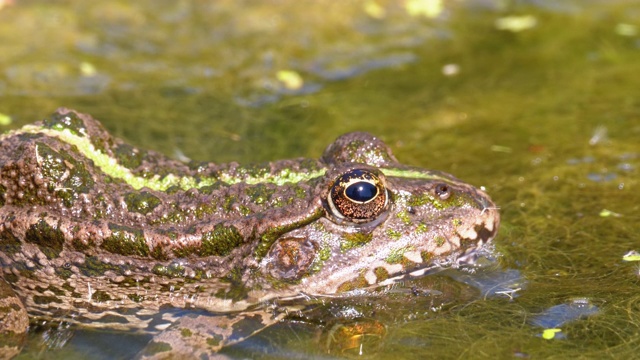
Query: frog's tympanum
{"x":99,"y":232}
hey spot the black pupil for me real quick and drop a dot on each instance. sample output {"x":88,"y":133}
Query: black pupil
{"x":361,"y":191}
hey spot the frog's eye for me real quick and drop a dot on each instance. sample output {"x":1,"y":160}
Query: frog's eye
{"x":358,"y":196}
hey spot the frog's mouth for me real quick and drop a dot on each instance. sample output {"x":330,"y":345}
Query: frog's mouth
{"x":354,"y":277}
{"x":383,"y":260}
{"x":482,"y":235}
{"x":454,"y":261}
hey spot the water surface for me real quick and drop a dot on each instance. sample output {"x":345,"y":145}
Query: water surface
{"x":535,"y":100}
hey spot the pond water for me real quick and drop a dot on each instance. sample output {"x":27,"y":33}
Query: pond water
{"x":535,"y":100}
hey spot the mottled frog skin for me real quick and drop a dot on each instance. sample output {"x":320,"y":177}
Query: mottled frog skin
{"x":94,"y":229}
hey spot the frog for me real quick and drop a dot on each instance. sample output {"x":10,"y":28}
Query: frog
{"x":104,"y":234}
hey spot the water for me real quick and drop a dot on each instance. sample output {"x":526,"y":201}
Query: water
{"x":543,"y":113}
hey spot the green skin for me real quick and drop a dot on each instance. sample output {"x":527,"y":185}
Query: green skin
{"x":91,"y":226}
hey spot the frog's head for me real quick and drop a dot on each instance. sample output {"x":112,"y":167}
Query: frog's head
{"x":380,"y":220}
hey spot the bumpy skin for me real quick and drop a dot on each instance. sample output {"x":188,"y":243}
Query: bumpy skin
{"x":95,"y":228}
{"x":13,"y":322}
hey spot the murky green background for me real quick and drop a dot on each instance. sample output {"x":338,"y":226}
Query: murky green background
{"x":545,"y":116}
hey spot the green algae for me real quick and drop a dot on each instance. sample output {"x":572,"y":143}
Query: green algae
{"x":125,"y":240}
{"x":142,"y":202}
{"x":49,"y":239}
{"x":352,"y":240}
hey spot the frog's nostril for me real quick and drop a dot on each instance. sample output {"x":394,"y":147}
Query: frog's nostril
{"x":443,"y":191}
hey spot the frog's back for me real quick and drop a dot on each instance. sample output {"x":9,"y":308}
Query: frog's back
{"x":88,"y":222}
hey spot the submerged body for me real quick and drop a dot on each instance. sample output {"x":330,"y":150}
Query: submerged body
{"x":93,"y":227}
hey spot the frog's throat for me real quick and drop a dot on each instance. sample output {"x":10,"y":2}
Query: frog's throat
{"x":112,"y":168}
